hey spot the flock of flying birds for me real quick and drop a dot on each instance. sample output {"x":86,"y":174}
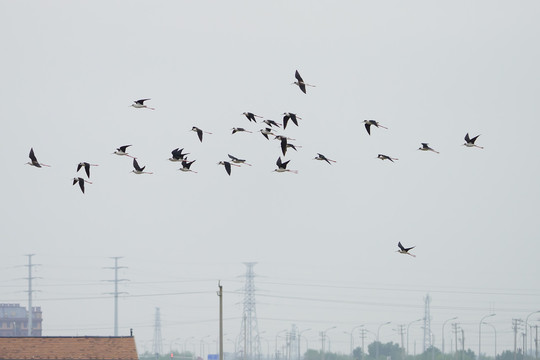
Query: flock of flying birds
{"x":179,"y":156}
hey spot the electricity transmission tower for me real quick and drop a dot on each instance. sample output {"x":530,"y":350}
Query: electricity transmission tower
{"x":30,"y":311}
{"x":249,"y":342}
{"x":157,"y":346}
{"x":116,"y":292}
{"x":427,"y":322}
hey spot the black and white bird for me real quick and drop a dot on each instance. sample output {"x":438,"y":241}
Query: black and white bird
{"x":251,"y":116}
{"x":425,"y":147}
{"x":227,"y":166}
{"x":186,"y":166}
{"x":122,"y":151}
{"x":237,"y":160}
{"x":294,"y":147}
{"x":282,"y":166}
{"x":86,"y":167}
{"x":386,"y":157}
{"x":300,"y":82}
{"x":470,"y":142}
{"x":290,"y":116}
{"x":81,"y":182}
{"x":139,"y":104}
{"x":33,"y":160}
{"x":239,"y":129}
{"x":369,"y":123}
{"x":404,"y":250}
{"x":271,"y":123}
{"x":266,"y":132}
{"x":323,"y":158}
{"x":199,"y":132}
{"x":177,"y":155}
{"x":139,"y":170}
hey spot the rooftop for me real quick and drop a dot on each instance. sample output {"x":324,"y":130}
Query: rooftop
{"x":76,"y":348}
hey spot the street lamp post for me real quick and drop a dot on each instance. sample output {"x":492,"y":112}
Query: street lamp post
{"x":526,"y":326}
{"x":442,"y":339}
{"x":277,"y":334}
{"x":377,"y":347}
{"x":408,"y":325}
{"x":495,"y":332}
{"x":352,"y":339}
{"x":299,"y":338}
{"x":480,"y":333}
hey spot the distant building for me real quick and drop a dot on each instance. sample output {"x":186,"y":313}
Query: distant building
{"x":68,"y":348}
{"x":14,"y":320}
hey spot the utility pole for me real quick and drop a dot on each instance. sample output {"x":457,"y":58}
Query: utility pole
{"x":401,"y":330}
{"x":220,"y":294}
{"x":515,"y":327}
{"x":362,"y":336}
{"x":116,"y":292}
{"x":30,"y":291}
{"x":455,"y":330}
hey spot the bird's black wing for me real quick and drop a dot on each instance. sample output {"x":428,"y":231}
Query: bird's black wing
{"x":284,"y":146}
{"x":87,"y":169}
{"x":467,"y":138}
{"x":32,"y":156}
{"x":123,"y":148}
{"x":199,"y":133}
{"x":285,"y":120}
{"x":293,"y":118}
{"x":136,"y":165}
{"x":278,"y":162}
{"x":141,"y":101}
{"x":79,"y":166}
{"x":81,"y":184}
{"x":474,"y":139}
{"x":232,"y":157}
{"x":227,"y":167}
{"x":298,"y":77}
{"x":368,"y":128}
{"x":400,"y":246}
{"x":284,"y":165}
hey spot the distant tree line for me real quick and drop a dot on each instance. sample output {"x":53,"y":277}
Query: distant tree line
{"x":388,"y":351}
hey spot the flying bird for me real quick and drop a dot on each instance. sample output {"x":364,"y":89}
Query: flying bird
{"x":368,"y":123}
{"x":186,"y":166}
{"x":33,"y":160}
{"x":425,"y":147}
{"x":81,"y":182}
{"x":266,"y":132}
{"x":300,"y":82}
{"x":138,"y":169}
{"x":251,"y":116}
{"x":386,"y":157}
{"x":199,"y":132}
{"x":237,"y":160}
{"x":404,"y":250}
{"x":122,"y":151}
{"x":282,"y":166}
{"x":86,"y":167}
{"x":290,"y":116}
{"x":139,"y":104}
{"x":470,"y":142}
{"x":227,"y":166}
{"x":239,"y":129}
{"x":323,"y":158}
{"x":177,"y":155}
{"x":271,"y":123}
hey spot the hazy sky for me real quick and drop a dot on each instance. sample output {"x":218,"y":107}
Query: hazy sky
{"x":324,"y":239}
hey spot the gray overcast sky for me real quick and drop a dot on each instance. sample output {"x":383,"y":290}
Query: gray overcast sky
{"x":324,"y":239}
